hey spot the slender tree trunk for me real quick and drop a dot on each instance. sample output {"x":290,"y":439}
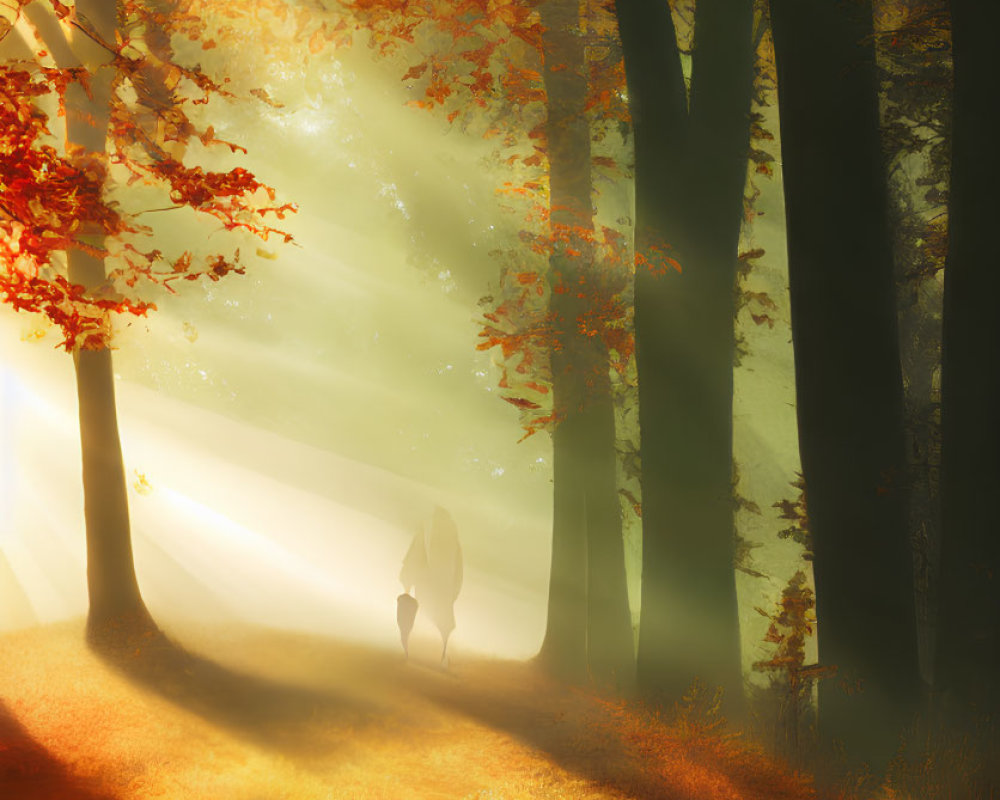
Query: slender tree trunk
{"x":919,"y":316}
{"x":968,"y":652}
{"x":690,"y":175}
{"x":589,"y":621}
{"x":916,"y":114}
{"x":849,"y":393}
{"x":115,"y":602}
{"x":116,"y":606}
{"x":918,"y":306}
{"x":610,"y":643}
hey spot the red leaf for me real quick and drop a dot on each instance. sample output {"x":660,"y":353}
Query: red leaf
{"x":520,"y":402}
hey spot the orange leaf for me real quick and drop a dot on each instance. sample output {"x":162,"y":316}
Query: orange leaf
{"x":415,"y":72}
{"x":316,"y":41}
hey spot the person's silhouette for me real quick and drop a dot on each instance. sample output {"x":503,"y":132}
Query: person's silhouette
{"x":433,"y":568}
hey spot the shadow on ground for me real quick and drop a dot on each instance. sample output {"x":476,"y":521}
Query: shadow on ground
{"x":30,"y":772}
{"x":270,"y":713}
{"x":601,"y":742}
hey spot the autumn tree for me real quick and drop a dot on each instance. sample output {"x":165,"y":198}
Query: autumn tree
{"x":968,"y":645}
{"x":73,"y":250}
{"x":587,"y":511}
{"x":557,"y":317}
{"x":792,"y":680}
{"x":849,"y":393}
{"x":690,"y":171}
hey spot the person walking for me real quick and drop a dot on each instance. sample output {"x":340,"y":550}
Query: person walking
{"x":432,"y":568}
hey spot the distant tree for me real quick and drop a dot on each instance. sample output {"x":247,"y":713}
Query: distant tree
{"x":792,"y":680}
{"x":968,"y":645}
{"x":71,"y":242}
{"x":913,"y":48}
{"x":691,"y":160}
{"x":848,"y":384}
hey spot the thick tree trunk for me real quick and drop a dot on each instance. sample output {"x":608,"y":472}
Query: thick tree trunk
{"x":116,"y":606}
{"x":690,"y":174}
{"x":588,"y":595}
{"x":968,"y":652}
{"x":849,"y":393}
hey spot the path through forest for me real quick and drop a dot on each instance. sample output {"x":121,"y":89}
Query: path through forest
{"x":256,"y":714}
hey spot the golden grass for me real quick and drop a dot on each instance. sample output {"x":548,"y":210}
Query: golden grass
{"x":356,"y":723}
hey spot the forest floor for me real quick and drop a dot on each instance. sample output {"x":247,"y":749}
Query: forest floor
{"x":268,"y":715}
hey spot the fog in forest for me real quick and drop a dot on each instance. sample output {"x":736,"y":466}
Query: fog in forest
{"x":395,"y":366}
{"x":286,"y":432}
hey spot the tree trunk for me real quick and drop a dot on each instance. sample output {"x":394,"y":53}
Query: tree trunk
{"x":849,"y":393}
{"x":968,"y":653}
{"x":915,"y":102}
{"x":589,"y":621}
{"x":115,"y":603}
{"x":116,"y":606}
{"x":919,"y":316}
{"x":610,"y":643}
{"x":690,"y":175}
{"x":564,"y":649}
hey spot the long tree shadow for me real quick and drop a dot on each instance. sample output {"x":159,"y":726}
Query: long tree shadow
{"x":606,"y":742}
{"x":276,"y":715}
{"x":28,"y":771}
{"x":550,"y":721}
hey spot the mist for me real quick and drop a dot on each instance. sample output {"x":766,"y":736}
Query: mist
{"x":286,"y":432}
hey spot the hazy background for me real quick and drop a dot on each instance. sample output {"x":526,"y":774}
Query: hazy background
{"x":286,"y":432}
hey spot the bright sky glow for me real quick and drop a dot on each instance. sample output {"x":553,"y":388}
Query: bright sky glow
{"x":229,"y":520}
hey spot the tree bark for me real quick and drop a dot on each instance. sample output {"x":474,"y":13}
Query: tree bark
{"x":564,"y":648}
{"x":690,"y":172}
{"x":915,"y":101}
{"x":116,"y":606}
{"x":848,"y":384}
{"x":589,"y":620}
{"x":968,"y":653}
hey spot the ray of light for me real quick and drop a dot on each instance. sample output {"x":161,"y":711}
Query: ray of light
{"x":231,"y":520}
